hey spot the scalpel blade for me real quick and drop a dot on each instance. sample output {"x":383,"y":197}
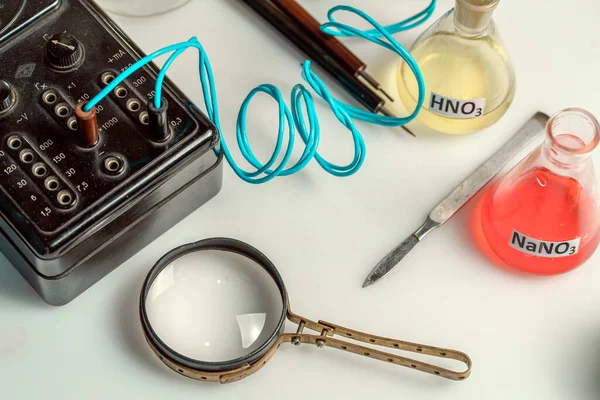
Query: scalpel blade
{"x":391,"y":260}
{"x":395,"y":256}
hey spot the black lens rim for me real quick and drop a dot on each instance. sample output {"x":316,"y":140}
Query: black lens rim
{"x":221,"y":244}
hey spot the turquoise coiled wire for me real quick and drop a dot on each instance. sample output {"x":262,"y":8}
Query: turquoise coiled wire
{"x":292,"y":119}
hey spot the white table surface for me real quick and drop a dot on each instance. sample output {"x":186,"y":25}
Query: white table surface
{"x":529,"y":337}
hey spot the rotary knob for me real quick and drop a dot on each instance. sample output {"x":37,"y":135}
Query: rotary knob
{"x":64,"y":51}
{"x":7,"y":97}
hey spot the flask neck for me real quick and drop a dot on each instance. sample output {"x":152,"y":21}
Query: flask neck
{"x":571,"y":137}
{"x":473,"y":17}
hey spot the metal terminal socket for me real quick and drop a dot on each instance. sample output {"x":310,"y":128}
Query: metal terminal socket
{"x":121,"y":92}
{"x":65,"y":198}
{"x":62,"y":110}
{"x":26,"y":156}
{"x":72,"y":123}
{"x":14,"y":142}
{"x":50,"y":97}
{"x":144,"y":119}
{"x":39,"y":170}
{"x":107,"y":78}
{"x":51,"y":183}
{"x":134,"y":105}
{"x":113,"y":165}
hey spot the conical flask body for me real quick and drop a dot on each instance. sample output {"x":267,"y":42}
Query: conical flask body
{"x":543,"y":216}
{"x":469,"y":77}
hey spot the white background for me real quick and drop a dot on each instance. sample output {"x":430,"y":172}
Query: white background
{"x":529,"y":337}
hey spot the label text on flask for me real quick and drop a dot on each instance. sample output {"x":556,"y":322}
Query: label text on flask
{"x":454,"y":108}
{"x":543,"y":248}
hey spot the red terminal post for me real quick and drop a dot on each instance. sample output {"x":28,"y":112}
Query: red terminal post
{"x":87,"y":126}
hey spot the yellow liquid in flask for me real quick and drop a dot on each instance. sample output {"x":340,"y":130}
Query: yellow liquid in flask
{"x":458,"y":71}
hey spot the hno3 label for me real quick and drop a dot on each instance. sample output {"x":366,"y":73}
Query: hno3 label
{"x":456,"y":108}
{"x":543,"y":248}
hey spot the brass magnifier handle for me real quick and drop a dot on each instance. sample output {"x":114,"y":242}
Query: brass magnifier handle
{"x":329,"y":330}
{"x":326,"y":339}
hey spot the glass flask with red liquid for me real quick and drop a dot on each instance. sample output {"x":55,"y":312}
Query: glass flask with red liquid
{"x":543,"y":216}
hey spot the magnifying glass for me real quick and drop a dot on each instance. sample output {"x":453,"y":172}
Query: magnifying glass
{"x":215,"y":311}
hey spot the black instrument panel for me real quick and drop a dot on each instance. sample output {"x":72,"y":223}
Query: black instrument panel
{"x":61,"y":199}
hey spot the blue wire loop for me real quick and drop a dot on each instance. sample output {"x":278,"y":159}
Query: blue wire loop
{"x":401,"y":26}
{"x":302,"y":101}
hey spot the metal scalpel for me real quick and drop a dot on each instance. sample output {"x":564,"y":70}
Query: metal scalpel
{"x":531,"y":131}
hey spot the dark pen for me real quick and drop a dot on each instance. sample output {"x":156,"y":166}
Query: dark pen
{"x":336,"y":49}
{"x":288,"y":27}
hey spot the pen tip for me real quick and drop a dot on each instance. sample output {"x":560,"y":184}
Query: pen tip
{"x":387,"y":95}
{"x":409,"y":131}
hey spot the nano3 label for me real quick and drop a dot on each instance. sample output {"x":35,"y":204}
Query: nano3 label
{"x":542,"y":248}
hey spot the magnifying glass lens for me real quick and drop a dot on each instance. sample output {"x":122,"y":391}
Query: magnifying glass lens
{"x":214,"y":306}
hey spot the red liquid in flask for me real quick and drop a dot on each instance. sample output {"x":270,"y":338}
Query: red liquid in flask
{"x":544,"y":223}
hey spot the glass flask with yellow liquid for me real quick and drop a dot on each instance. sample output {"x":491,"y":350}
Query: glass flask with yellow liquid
{"x":468,"y":74}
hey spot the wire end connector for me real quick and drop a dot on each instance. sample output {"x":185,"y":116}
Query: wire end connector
{"x":159,"y":129}
{"x":87,"y":126}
